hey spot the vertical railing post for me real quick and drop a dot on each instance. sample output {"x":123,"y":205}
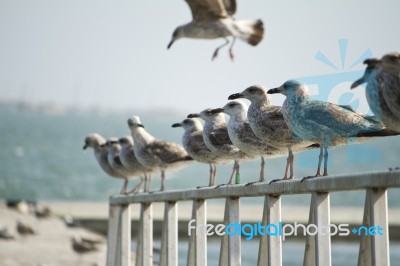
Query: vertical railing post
{"x":374,"y":250}
{"x":270,"y":251}
{"x":322,"y":222}
{"x":146,"y":235}
{"x":169,"y":248}
{"x":113,"y":234}
{"x":197,"y":254}
{"x":234,"y":241}
{"x":125,"y":235}
{"x":309,"y":252}
{"x":223,"y":255}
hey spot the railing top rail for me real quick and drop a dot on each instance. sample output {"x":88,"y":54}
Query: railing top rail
{"x":346,"y":182}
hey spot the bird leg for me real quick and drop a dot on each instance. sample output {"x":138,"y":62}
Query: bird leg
{"x":231,"y":55}
{"x":289,"y":166}
{"x":211,"y":176}
{"x":321,"y":153}
{"x":326,"y":161}
{"x":123,"y":190}
{"x":262,"y":179}
{"x":147,"y":186}
{"x":214,"y":174}
{"x":230,"y":182}
{"x":237,"y":176}
{"x":162,"y":180}
{"x":137,"y":187}
{"x":215,"y":54}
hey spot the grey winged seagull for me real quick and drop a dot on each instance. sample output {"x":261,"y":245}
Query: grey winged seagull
{"x":114,"y":159}
{"x":193,"y":142}
{"x":212,"y":19}
{"x":98,"y":144}
{"x":155,"y":153}
{"x":216,"y":137}
{"x":243,"y":137}
{"x":268,"y":124}
{"x":323,"y":122}
{"x":383,"y":88}
{"x":130,"y":162}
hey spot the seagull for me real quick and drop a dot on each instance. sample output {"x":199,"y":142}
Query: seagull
{"x":81,"y":246}
{"x":98,"y":143}
{"x":216,"y":137}
{"x":4,"y":234}
{"x":212,"y":19}
{"x":268,"y":124}
{"x":195,"y":146}
{"x":383,"y":88}
{"x":25,"y":229}
{"x":321,"y":122}
{"x":114,"y":159}
{"x":243,"y":137}
{"x":130,"y":162}
{"x":154,"y":153}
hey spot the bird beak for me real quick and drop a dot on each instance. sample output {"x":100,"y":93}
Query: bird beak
{"x":193,"y":115}
{"x":357,"y":83}
{"x":217,"y":111}
{"x":274,"y":90}
{"x":235,"y":96}
{"x":140,"y":125}
{"x":176,"y":125}
{"x":85,"y":147}
{"x":170,"y":44}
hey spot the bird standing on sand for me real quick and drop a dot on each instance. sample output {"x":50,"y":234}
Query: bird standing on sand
{"x":114,"y":159}
{"x":216,"y":137}
{"x":213,"y":19}
{"x":98,"y":143}
{"x":320,"y":122}
{"x":195,"y":146}
{"x":383,"y":88}
{"x":130,"y":162}
{"x":154,"y":153}
{"x":243,"y":137}
{"x":268,"y":124}
{"x":24,"y":229}
{"x":81,"y":245}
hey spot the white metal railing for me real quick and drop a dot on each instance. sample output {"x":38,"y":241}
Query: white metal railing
{"x":374,"y":250}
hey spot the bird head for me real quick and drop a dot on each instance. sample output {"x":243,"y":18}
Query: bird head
{"x":134,"y":122}
{"x":125,"y":141}
{"x":291,"y":87}
{"x":93,"y":140}
{"x":371,"y":66}
{"x":234,"y":107}
{"x":189,"y":124}
{"x":178,"y":33}
{"x":253,"y":93}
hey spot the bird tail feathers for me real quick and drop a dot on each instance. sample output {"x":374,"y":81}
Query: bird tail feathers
{"x":251,"y":31}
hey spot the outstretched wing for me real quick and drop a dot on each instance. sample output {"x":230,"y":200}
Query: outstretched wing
{"x":211,"y":9}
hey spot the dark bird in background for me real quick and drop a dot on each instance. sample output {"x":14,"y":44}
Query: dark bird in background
{"x":24,"y":229}
{"x":82,"y":245}
{"x":383,"y":88}
{"x":213,"y":19}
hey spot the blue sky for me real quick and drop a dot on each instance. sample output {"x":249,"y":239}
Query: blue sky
{"x":113,"y":53}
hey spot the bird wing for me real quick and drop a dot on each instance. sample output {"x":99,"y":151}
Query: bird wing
{"x":341,"y":121}
{"x":167,"y":152}
{"x":211,"y":9}
{"x":220,"y":137}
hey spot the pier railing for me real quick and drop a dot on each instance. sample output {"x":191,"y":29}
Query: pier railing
{"x":374,"y":250}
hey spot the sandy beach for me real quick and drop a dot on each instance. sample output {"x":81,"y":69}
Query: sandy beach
{"x":51,"y":245}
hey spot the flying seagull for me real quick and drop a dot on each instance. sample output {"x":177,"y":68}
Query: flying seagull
{"x":383,"y":88}
{"x":154,"y":153}
{"x":212,"y":19}
{"x":323,"y":122}
{"x":193,"y":142}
